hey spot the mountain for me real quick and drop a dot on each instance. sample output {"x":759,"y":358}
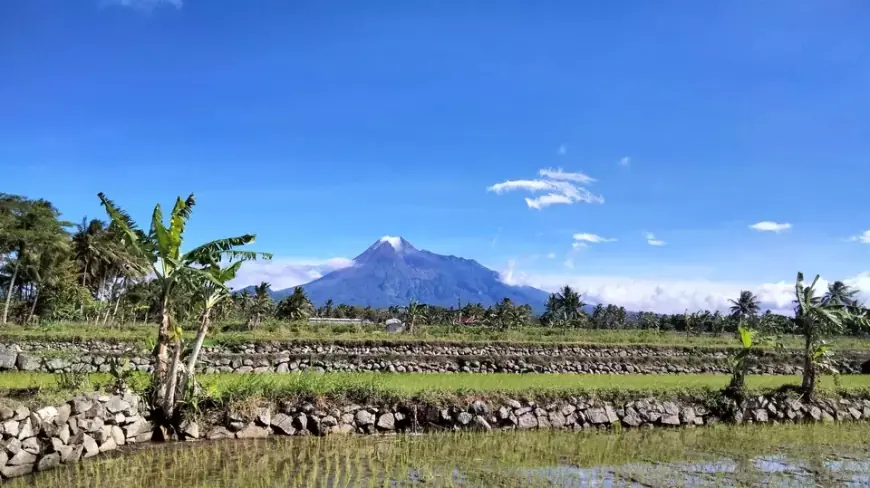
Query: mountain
{"x":392,"y":272}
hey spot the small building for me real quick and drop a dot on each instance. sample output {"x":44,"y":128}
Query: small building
{"x":335,"y":321}
{"x":394,"y":325}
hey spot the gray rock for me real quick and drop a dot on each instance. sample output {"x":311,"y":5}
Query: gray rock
{"x":364,"y":417}
{"x":760,"y":415}
{"x":10,"y":471}
{"x":219,"y":433}
{"x":21,"y":413}
{"x":479,"y":408}
{"x":855,"y":413}
{"x":670,"y":419}
{"x":116,"y":404}
{"x":264,"y":416}
{"x":140,"y":426}
{"x":25,"y":429}
{"x":6,"y":413}
{"x":12,"y":446}
{"x":26,"y":362}
{"x":8,"y":356}
{"x":48,"y":461}
{"x":253,"y":431}
{"x":10,"y":427}
{"x":190,"y":430}
{"x":283,"y":424}
{"x":81,"y":405}
{"x":632,"y":419}
{"x":300,"y":422}
{"x":22,"y":457}
{"x":90,"y":446}
{"x":57,"y":364}
{"x":480,"y":423}
{"x":71,"y":454}
{"x":514,"y":405}
{"x":687,"y":415}
{"x":557,"y":420}
{"x":30,"y":445}
{"x":387,"y":421}
{"x":597,"y":416}
{"x":63,"y":413}
{"x":108,"y":445}
{"x":331,"y":421}
{"x":464,"y":418}
{"x":816,"y":413}
{"x":671,"y":408}
{"x":611,"y":414}
{"x":527,"y":421}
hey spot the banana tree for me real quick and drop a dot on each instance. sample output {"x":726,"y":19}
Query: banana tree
{"x":817,"y":318}
{"x":212,"y":291}
{"x":742,"y":358}
{"x":160,"y":249}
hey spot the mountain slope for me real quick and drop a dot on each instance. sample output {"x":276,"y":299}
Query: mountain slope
{"x":392,"y":272}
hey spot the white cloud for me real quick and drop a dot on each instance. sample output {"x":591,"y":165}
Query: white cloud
{"x":769,"y":226}
{"x":625,"y":161}
{"x":593,"y":238}
{"x":146,"y":5}
{"x":563,"y":149}
{"x":863,"y":238}
{"x":551,"y":255}
{"x":561,"y":187}
{"x":286,"y":272}
{"x":559,"y":174}
{"x":676,"y":296}
{"x":652,"y":241}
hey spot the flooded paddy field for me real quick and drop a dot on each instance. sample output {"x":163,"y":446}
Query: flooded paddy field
{"x":748,"y":455}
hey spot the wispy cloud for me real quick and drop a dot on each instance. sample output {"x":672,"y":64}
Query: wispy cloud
{"x":563,"y":150}
{"x":652,"y":240}
{"x":286,"y":272}
{"x":561,"y":187}
{"x":146,"y":5}
{"x":863,"y":238}
{"x":551,"y":255}
{"x":592,"y":238}
{"x":625,"y":162}
{"x":770,"y":226}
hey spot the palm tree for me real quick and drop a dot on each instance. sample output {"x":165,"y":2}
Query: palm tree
{"x":745,"y":306}
{"x":88,"y":245}
{"x":261,"y":303}
{"x":841,"y":294}
{"x":296,"y":306}
{"x":160,"y":248}
{"x":816,"y":319}
{"x":552,"y":311}
{"x":570,"y":304}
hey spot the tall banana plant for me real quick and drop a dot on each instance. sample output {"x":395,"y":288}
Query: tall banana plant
{"x":742,"y":358}
{"x":212,"y":292}
{"x":161,"y":249}
{"x":816,"y":319}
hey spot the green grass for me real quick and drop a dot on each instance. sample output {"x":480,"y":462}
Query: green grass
{"x":225,"y":388}
{"x":509,"y":459}
{"x":300,"y":331}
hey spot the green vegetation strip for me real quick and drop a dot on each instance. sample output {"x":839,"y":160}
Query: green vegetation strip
{"x":716,"y":456}
{"x":397,"y":387}
{"x":300,"y":331}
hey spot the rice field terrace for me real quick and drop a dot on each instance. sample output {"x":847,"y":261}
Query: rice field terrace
{"x":302,"y":331}
{"x":776,"y":456}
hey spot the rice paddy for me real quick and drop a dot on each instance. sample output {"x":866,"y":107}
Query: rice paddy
{"x":783,"y":455}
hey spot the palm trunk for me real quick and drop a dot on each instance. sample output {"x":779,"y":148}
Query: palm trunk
{"x":118,"y":301}
{"x":197,"y":346}
{"x":33,"y":306}
{"x":9,"y":291}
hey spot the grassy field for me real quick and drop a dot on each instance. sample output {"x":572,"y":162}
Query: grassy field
{"x":395,"y":387}
{"x":295,"y":331}
{"x":784,"y":455}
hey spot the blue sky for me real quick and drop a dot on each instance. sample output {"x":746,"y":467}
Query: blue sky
{"x":322,"y":126}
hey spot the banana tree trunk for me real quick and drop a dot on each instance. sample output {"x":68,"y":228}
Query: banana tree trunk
{"x":197,"y":347}
{"x":33,"y":306}
{"x":161,"y":354}
{"x":172,"y":382}
{"x":9,"y":290}
{"x":808,"y":384}
{"x":118,"y":301}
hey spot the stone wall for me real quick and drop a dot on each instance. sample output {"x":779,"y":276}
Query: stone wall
{"x":36,"y":440}
{"x":94,"y":356}
{"x":45,"y":438}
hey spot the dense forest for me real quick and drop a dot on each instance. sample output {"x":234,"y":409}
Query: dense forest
{"x":52,"y":270}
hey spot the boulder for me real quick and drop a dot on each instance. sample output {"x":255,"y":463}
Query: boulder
{"x":387,"y":422}
{"x":219,"y":433}
{"x":464,"y":418}
{"x":527,"y":421}
{"x":252,"y":431}
{"x":597,"y":416}
{"x":26,"y":362}
{"x":670,"y":419}
{"x":480,"y":423}
{"x":364,"y":418}
{"x":48,"y":461}
{"x":8,"y":356}
{"x":10,"y":471}
{"x":283,"y":424}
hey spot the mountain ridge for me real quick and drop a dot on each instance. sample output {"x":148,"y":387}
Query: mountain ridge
{"x":392,"y":272}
